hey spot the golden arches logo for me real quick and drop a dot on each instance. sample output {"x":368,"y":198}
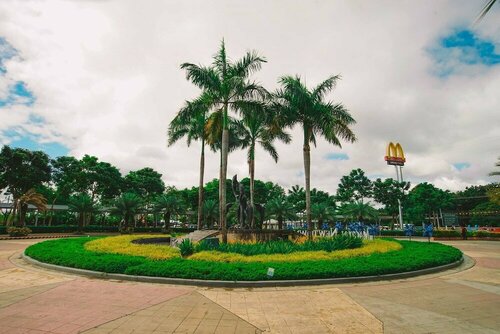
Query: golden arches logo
{"x":394,"y":154}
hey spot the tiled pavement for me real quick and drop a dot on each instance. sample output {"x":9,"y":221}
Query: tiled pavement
{"x":33,"y":300}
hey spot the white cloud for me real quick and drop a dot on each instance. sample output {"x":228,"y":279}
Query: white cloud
{"x":107,"y":81}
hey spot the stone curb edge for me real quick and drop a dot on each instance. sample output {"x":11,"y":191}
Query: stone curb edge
{"x":243,"y":284}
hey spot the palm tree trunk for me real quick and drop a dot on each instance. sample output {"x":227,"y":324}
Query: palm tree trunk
{"x":200,"y":189}
{"x":251,"y":165}
{"x":225,"y":144}
{"x":307,"y":172}
{"x":166,"y":217}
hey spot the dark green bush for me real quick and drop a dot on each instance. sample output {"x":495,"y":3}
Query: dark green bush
{"x":94,"y":229}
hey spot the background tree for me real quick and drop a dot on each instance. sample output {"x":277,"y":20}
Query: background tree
{"x":359,"y":211}
{"x":297,"y":196}
{"x":145,"y":182}
{"x":280,"y":209}
{"x":127,"y":206}
{"x":227,"y":85}
{"x":299,"y":105}
{"x":190,"y":122}
{"x":388,"y":192}
{"x":321,"y":212}
{"x":210,"y":212}
{"x":497,"y":172}
{"x":425,"y":200}
{"x":31,"y":197}
{"x":22,"y":170}
{"x":259,"y":126}
{"x":83,"y":206}
{"x":168,"y":204}
{"x":354,"y":187}
{"x":487,"y":213}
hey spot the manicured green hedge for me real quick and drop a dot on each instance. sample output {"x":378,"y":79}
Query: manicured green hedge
{"x":93,"y":229}
{"x":413,"y":256}
{"x":442,"y":234}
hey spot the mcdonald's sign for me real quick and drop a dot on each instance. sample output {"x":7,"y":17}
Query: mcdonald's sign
{"x":394,"y":155}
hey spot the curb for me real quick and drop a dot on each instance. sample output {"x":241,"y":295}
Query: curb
{"x":242,"y":284}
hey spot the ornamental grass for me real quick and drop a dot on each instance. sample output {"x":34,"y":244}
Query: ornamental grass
{"x":368,"y":247}
{"x":123,"y":245}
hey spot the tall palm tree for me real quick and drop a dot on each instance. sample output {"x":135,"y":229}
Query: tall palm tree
{"x":83,"y":206}
{"x":190,"y":122}
{"x":321,"y":212}
{"x":127,"y":206}
{"x":280,"y":209}
{"x":359,"y":211}
{"x":226,"y":83}
{"x":169,"y":204}
{"x":259,"y":127}
{"x":299,"y":105}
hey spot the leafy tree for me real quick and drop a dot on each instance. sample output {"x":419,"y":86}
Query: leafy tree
{"x":388,"y":192}
{"x":487,"y":213}
{"x":494,"y":195}
{"x":258,"y":126}
{"x":145,"y":182}
{"x":227,"y":87}
{"x":280,"y":209}
{"x":299,"y":105}
{"x":127,"y":206}
{"x":22,"y":170}
{"x":83,"y":206}
{"x":425,"y":200}
{"x":359,"y":211}
{"x":169,"y":204}
{"x":354,"y":187}
{"x":98,"y":179}
{"x":322,"y":212}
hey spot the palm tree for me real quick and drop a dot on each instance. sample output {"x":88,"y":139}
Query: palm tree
{"x":321,"y":212}
{"x":497,"y":172}
{"x":31,"y":197}
{"x":190,"y":122}
{"x":170,"y":204}
{"x":210,"y":212}
{"x":259,"y":127}
{"x":280,"y":209}
{"x":83,"y":206}
{"x":127,"y":206}
{"x":226,"y":84}
{"x":359,"y":211}
{"x":299,"y":105}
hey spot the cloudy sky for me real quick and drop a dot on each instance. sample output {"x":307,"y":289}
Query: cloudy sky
{"x":103,"y":78}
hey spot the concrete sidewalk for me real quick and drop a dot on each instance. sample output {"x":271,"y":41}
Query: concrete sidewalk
{"x":33,"y":300}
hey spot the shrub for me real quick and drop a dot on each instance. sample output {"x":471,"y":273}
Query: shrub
{"x":126,"y":230}
{"x":18,"y":231}
{"x":123,"y":245}
{"x":342,"y":241}
{"x":186,"y":247}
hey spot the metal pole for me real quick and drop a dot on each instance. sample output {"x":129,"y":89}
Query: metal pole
{"x":399,"y":176}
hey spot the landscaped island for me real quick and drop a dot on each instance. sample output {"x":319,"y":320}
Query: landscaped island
{"x":337,"y":257}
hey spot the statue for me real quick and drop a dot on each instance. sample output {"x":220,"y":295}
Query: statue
{"x":245,"y":211}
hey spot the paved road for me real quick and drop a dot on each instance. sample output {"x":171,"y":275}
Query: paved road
{"x":463,"y":300}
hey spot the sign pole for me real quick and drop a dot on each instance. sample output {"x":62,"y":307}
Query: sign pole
{"x":395,"y":156}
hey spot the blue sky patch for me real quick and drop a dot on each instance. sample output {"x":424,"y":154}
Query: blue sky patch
{"x":30,"y":142}
{"x":336,"y":156}
{"x":461,"y":165}
{"x":463,"y":47}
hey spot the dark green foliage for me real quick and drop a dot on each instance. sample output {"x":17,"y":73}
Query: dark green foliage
{"x":18,"y":231}
{"x":413,"y":256}
{"x":344,"y":241}
{"x":186,"y":247}
{"x":95,"y":229}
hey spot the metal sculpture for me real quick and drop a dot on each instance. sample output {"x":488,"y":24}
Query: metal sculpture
{"x":339,"y":227}
{"x":245,"y":211}
{"x":373,"y":230}
{"x":428,"y":229}
{"x":409,"y":230}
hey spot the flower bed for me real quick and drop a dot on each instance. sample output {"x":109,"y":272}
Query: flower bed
{"x":92,"y":254}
